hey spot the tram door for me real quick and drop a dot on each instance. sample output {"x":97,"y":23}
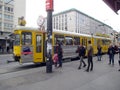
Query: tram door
{"x":38,"y":46}
{"x":26,"y":47}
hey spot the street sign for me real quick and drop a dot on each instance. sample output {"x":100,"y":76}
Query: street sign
{"x":49,"y":5}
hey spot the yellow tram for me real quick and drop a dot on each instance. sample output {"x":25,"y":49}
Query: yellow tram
{"x":29,"y":44}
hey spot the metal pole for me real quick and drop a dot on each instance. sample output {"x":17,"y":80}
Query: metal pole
{"x":49,"y":9}
{"x":49,"y":42}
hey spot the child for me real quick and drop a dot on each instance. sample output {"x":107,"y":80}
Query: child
{"x":55,"y":59}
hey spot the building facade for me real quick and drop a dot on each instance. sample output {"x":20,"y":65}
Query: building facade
{"x":10,"y":12}
{"x":6,"y":15}
{"x":75,"y":21}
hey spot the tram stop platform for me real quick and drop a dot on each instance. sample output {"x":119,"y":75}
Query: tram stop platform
{"x":103,"y":77}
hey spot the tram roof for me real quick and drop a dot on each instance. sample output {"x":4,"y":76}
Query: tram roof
{"x":25,"y":28}
{"x":58,"y":31}
{"x":71,"y":33}
{"x":78,"y":34}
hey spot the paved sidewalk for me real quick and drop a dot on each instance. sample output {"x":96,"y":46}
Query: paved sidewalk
{"x":103,"y":77}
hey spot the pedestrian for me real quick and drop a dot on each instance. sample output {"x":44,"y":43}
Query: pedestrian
{"x":116,"y":49}
{"x":111,"y":53}
{"x":8,"y":49}
{"x":59,"y":52}
{"x":81,"y":52}
{"x":90,"y":56}
{"x":55,"y":59}
{"x":119,"y":55}
{"x":99,"y":53}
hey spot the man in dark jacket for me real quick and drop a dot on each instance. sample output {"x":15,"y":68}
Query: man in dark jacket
{"x":81,"y":51}
{"x":60,"y":54}
{"x":99,"y":53}
{"x":111,"y":53}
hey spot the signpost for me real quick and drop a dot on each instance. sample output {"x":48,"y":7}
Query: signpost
{"x":49,"y":9}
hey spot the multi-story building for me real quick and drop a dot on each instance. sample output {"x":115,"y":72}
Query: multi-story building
{"x":6,"y":15}
{"x":10,"y":12}
{"x":75,"y":21}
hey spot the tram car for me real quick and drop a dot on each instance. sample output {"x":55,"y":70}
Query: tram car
{"x":29,"y":44}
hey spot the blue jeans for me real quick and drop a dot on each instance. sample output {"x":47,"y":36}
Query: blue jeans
{"x":111,"y":59}
{"x":99,"y":57}
{"x":60,"y":61}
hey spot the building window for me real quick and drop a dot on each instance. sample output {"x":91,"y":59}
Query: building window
{"x":0,"y":7}
{"x":66,"y":22}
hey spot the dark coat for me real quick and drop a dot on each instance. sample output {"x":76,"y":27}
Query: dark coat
{"x":81,"y":50}
{"x":111,"y":51}
{"x":99,"y":50}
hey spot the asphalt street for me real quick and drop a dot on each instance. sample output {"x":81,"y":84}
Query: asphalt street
{"x":103,"y":77}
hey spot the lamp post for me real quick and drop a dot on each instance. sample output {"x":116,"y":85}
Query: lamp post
{"x":49,"y":9}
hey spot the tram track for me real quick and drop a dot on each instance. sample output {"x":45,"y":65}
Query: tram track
{"x":10,"y":69}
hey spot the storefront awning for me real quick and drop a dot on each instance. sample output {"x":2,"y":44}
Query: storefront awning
{"x":113,"y":4}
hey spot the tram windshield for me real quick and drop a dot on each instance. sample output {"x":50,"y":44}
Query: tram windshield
{"x":17,"y":39}
{"x":26,"y":38}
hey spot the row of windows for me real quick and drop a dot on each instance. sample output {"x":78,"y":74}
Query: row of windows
{"x":7,"y":9}
{"x":8,"y":2}
{"x":8,"y":17}
{"x":60,"y":22}
{"x":7,"y":25}
{"x":69,"y":40}
{"x":27,"y":40}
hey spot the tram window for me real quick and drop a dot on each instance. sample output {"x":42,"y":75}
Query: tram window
{"x":59,"y":38}
{"x":76,"y":41}
{"x":26,"y":38}
{"x":69,"y":40}
{"x":17,"y":39}
{"x":95,"y":42}
{"x":104,"y":42}
{"x":38,"y":43}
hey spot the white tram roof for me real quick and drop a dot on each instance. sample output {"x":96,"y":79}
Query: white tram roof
{"x":25,"y":28}
{"x":59,"y":31}
{"x":79,"y":34}
{"x":71,"y":33}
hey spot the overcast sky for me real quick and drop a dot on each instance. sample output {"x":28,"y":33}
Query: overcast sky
{"x":94,"y":8}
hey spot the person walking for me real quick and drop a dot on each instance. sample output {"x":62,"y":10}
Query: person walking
{"x":99,"y":53}
{"x":111,"y":53}
{"x":59,"y":52}
{"x":90,"y":57}
{"x":81,"y":51}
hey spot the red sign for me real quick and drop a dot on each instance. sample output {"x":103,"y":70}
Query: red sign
{"x":49,"y":5}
